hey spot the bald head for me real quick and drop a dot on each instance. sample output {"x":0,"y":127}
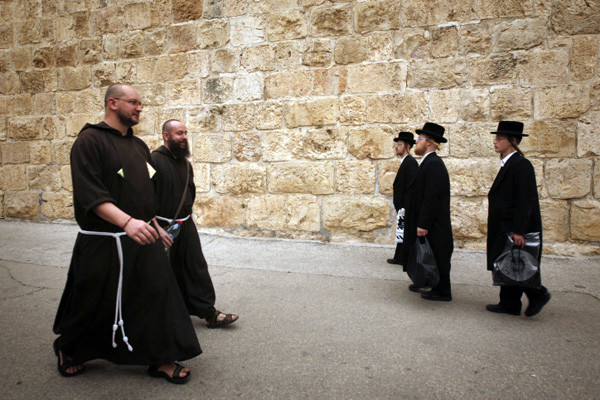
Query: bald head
{"x":170,"y":125}
{"x":115,"y":91}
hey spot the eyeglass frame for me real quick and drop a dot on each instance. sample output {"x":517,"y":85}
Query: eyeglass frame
{"x":134,"y":103}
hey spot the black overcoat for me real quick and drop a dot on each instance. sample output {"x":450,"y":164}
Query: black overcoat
{"x":514,"y":206}
{"x":404,"y":179}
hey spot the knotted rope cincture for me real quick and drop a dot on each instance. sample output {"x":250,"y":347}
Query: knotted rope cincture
{"x":170,"y":221}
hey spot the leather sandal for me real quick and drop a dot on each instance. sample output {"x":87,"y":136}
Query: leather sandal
{"x":213,"y":322}
{"x":174,"y":378}
{"x":65,"y":364}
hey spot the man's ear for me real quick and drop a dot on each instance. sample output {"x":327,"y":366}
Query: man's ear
{"x":165,"y":136}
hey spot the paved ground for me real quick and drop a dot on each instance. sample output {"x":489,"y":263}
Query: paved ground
{"x":318,"y":321}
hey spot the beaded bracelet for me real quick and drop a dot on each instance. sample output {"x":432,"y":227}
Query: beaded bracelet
{"x":123,"y":227}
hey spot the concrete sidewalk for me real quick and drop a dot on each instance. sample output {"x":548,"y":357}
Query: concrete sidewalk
{"x":317,"y":321}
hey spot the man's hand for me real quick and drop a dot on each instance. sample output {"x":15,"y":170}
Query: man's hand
{"x":141,"y":232}
{"x":518,"y":240}
{"x":422,"y":232}
{"x":164,"y":236}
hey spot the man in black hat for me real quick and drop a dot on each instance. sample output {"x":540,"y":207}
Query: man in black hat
{"x":429,"y":209}
{"x":514,"y":209}
{"x":404,"y":178}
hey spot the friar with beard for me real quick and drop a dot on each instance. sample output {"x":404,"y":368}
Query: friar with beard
{"x":187,"y":259}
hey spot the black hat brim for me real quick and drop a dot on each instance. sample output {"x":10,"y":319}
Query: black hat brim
{"x":437,"y":138}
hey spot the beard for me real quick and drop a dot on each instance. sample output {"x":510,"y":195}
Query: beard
{"x":127,"y":120}
{"x":177,"y":149}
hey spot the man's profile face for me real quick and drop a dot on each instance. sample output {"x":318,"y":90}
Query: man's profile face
{"x":501,"y":144}
{"x":400,"y":148}
{"x":421,"y":145}
{"x":177,"y":140}
{"x":129,"y":107}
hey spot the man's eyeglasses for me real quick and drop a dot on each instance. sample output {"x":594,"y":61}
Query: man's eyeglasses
{"x":421,"y":138}
{"x":134,"y":103}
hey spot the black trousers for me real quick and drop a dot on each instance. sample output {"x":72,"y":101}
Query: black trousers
{"x":510,"y":296}
{"x":398,"y":253}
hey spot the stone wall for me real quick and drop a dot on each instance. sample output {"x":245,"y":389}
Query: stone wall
{"x":292,"y":104}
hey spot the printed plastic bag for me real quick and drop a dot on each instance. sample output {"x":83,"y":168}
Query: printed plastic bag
{"x":518,"y":266}
{"x":400,"y":226}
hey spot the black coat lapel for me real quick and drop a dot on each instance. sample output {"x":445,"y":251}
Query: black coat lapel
{"x":502,"y":172}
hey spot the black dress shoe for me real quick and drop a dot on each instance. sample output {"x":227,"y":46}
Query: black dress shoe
{"x":535,"y":306}
{"x":434,"y":296}
{"x":418,"y":289}
{"x":393,"y":261}
{"x":497,"y":308}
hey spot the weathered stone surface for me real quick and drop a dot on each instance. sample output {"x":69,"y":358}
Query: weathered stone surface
{"x":373,"y":142}
{"x":184,"y":92}
{"x":588,"y":137}
{"x":65,"y":177}
{"x":186,"y":10}
{"x":320,"y":111}
{"x":504,"y":8}
{"x":331,"y":20}
{"x":61,"y":152}
{"x":555,"y":220}
{"x":330,"y":81}
{"x":444,"y":41}
{"x":9,"y":83}
{"x":39,"y":152}
{"x":301,"y":177}
{"x":247,"y":146}
{"x":74,"y":78}
{"x":43,"y":57}
{"x":202,"y":119}
{"x":317,"y":53}
{"x":444,"y":105}
{"x":182,"y":38}
{"x":25,"y":205}
{"x":222,"y":211}
{"x":281,"y":145}
{"x":584,"y":56}
{"x":155,"y":41}
{"x":351,"y":50}
{"x":397,"y":108}
{"x":212,"y":34}
{"x":597,"y":178}
{"x":476,"y":39}
{"x":286,"y":25}
{"x":76,"y":25}
{"x":475,"y":104}
{"x":44,"y":177}
{"x":267,"y":212}
{"x":460,"y":10}
{"x":13,"y":177}
{"x":442,"y":73}
{"x":413,"y":43}
{"x":247,"y":30}
{"x":519,"y":34}
{"x":268,"y":115}
{"x":248,"y":87}
{"x":218,"y":90}
{"x":65,"y":54}
{"x":239,"y":178}
{"x":544,"y":67}
{"x":353,"y":110}
{"x":380,"y":47}
{"x":551,"y":138}
{"x":472,"y":140}
{"x":471,"y":177}
{"x":469,"y":217}
{"x":104,"y":74}
{"x":212,"y":147}
{"x":14,"y":152}
{"x":383,"y":77}
{"x":1,"y":205}
{"x":421,"y":12}
{"x":355,"y":177}
{"x":198,"y":64}
{"x":138,"y":15}
{"x":7,"y":36}
{"x":561,"y":101}
{"x":511,"y":104}
{"x":386,"y":173}
{"x":106,"y":20}
{"x":585,"y":220}
{"x":201,"y":177}
{"x":303,"y":213}
{"x":355,"y":213}
{"x":238,"y":117}
{"x":574,"y":17}
{"x":259,"y":58}
{"x":568,"y":178}
{"x":21,"y":105}
{"x":497,"y":69}
{"x":23,"y":128}
{"x":325,"y":143}
{"x":57,"y":205}
{"x":287,"y":55}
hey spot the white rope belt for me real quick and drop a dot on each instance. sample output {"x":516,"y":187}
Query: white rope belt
{"x":170,"y":221}
{"x":118,"y":313}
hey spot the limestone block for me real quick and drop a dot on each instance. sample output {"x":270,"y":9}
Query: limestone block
{"x":544,"y":67}
{"x":267,"y":212}
{"x":460,"y":10}
{"x":355,"y":177}
{"x":301,"y":177}
{"x":504,"y":8}
{"x":325,"y":143}
{"x":74,"y":78}
{"x":281,"y":145}
{"x":397,"y":108}
{"x":248,"y":87}
{"x":76,"y":25}
{"x":355,"y":213}
{"x":374,"y":142}
{"x":44,"y":103}
{"x":519,"y":34}
{"x":218,"y":90}
{"x":286,"y":25}
{"x":61,"y":151}
{"x":247,"y":146}
{"x":238,"y":117}
{"x":511,"y":104}
{"x":444,"y":41}
{"x":75,"y":122}
{"x":90,"y":101}
{"x":497,"y":69}
{"x":421,"y":12}
{"x":182,"y":38}
{"x":22,"y":205}
{"x":125,"y":72}
{"x":318,"y":111}
{"x":574,"y":17}
{"x":104,"y":74}
{"x":155,"y":41}
{"x":44,"y":177}
{"x":289,"y":84}
{"x":57,"y":205}
{"x":202,"y":119}
{"x":138,"y":15}
{"x":65,"y":177}
{"x":412,"y":43}
{"x":43,"y":57}
{"x":561,"y":101}
{"x":110,"y":46}
{"x":39,"y":152}
{"x":555,"y":220}
{"x":268,"y":115}
{"x":568,"y":178}
{"x":161,"y":13}
{"x":247,"y":30}
{"x":330,"y":81}
{"x":444,"y":105}
{"x":585,"y":220}
{"x":212,"y":34}
{"x":471,"y":177}
{"x":584,"y":56}
{"x":469,"y":217}
{"x":212,"y":147}
{"x":9,"y":83}
{"x":303,"y":213}
{"x":380,"y":47}
{"x":33,"y":81}
{"x":23,"y":128}
{"x":386,"y":173}
{"x":198,"y":64}
{"x":476,"y":39}
{"x":259,"y":58}
{"x":65,"y":54}
{"x":597,"y":178}
{"x":1,"y":205}
{"x":144,"y":70}
{"x":442,"y":73}
{"x":317,"y":53}
{"x":287,"y":55}
{"x":331,"y":20}
{"x":353,"y":110}
{"x":551,"y":138}
{"x":225,"y":60}
{"x":373,"y":78}
{"x":223,"y":211}
{"x":14,"y":152}
{"x":21,"y":105}
{"x":106,"y":20}
{"x":201,"y":177}
{"x":475,"y":104}
{"x":472,"y":140}
{"x":186,"y":10}
{"x":239,"y":178}
{"x":351,"y":50}
{"x":7,"y":35}
{"x":13,"y":177}
{"x":184,"y":92}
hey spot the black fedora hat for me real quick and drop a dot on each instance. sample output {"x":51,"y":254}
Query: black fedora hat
{"x":435,"y":131}
{"x":407,"y":137}
{"x":510,"y":128}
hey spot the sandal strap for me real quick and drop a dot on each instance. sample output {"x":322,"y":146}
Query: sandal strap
{"x":177,"y":371}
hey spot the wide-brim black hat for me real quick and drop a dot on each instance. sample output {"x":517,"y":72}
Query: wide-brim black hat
{"x":434,"y":131}
{"x":407,"y":137}
{"x":510,"y":128}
